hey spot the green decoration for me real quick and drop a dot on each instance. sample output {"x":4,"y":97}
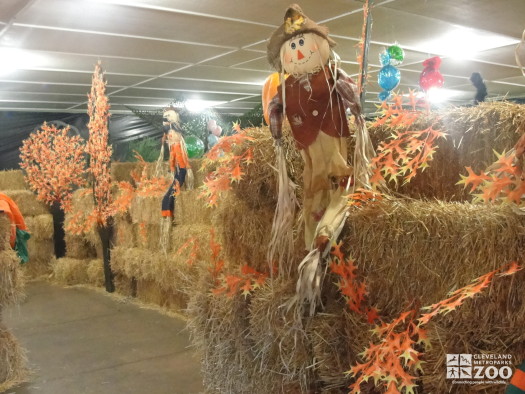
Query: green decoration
{"x":194,"y":146}
{"x":396,"y":53}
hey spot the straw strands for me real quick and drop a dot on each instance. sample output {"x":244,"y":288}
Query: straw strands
{"x":11,"y":279}
{"x":27,"y":202}
{"x":421,"y":250}
{"x":13,"y":365}
{"x":12,"y":180}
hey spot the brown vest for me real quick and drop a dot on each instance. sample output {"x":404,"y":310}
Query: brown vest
{"x":310,"y":107}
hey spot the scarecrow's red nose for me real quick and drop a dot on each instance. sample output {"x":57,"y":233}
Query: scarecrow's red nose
{"x":299,"y":55}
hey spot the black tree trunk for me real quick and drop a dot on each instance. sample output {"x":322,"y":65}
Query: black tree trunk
{"x":58,"y":230}
{"x":106,"y":237}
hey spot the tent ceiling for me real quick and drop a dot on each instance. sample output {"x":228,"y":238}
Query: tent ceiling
{"x":156,"y":50}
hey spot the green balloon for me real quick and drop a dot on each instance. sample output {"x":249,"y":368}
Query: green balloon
{"x":396,"y":53}
{"x":194,"y":146}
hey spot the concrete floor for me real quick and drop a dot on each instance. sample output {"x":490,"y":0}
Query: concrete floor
{"x":83,"y":341}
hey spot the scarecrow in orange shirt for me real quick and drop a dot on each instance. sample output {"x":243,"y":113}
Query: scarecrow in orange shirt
{"x":178,"y":160}
{"x":315,"y":98}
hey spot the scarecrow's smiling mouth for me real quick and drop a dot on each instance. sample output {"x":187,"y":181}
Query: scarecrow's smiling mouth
{"x":305,"y":60}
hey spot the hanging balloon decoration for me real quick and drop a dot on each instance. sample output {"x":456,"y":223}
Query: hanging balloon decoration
{"x":194,"y":146}
{"x":389,"y":76}
{"x":215,"y":132}
{"x":431,"y":77}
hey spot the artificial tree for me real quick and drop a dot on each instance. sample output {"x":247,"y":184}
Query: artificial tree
{"x":99,"y":152}
{"x":54,"y":163}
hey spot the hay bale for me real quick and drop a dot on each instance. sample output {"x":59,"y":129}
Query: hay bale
{"x":147,"y":236}
{"x":40,"y":227}
{"x":12,"y":180}
{"x":124,"y":232}
{"x":220,"y":328}
{"x":123,"y":285}
{"x":40,"y":250}
{"x":5,"y":232}
{"x":11,"y":279}
{"x":283,"y":349}
{"x":27,"y":202}
{"x":244,"y":232}
{"x":144,"y":265}
{"x":121,"y":171}
{"x":473,"y":133}
{"x":77,"y":247}
{"x":13,"y":368}
{"x":95,"y":272}
{"x":490,"y":323}
{"x":421,"y":250}
{"x":190,"y":209}
{"x":198,"y":176}
{"x":149,"y":292}
{"x":146,"y":209}
{"x":68,"y":271}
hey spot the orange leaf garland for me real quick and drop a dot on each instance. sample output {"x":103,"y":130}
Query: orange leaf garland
{"x":229,"y":166}
{"x":394,"y":361}
{"x":406,"y":151}
{"x":500,"y":182}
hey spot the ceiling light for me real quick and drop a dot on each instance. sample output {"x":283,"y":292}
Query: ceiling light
{"x":464,"y":43}
{"x":195,"y":105}
{"x":440,"y":95}
{"x":14,"y":59}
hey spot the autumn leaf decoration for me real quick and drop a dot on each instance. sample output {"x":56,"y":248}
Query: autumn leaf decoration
{"x":353,"y":290}
{"x":394,"y":361}
{"x":502,"y":181}
{"x":364,"y":197}
{"x":247,"y":280}
{"x":406,"y":151}
{"x":54,"y":164}
{"x":228,"y":165}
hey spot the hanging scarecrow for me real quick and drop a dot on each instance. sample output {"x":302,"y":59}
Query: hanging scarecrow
{"x":178,"y":159}
{"x":315,"y":97}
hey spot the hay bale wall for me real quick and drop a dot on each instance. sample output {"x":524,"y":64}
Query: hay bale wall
{"x":27,"y":202}
{"x":13,"y":363}
{"x":12,"y":180}
{"x":408,"y":252}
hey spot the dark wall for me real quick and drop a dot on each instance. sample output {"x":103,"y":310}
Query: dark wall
{"x":16,"y":126}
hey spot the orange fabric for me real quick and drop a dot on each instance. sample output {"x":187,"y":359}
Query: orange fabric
{"x":167,"y":213}
{"x":178,"y":157}
{"x":518,"y":379}
{"x":10,"y":208}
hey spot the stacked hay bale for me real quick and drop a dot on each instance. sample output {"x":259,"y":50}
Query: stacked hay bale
{"x":82,"y":263}
{"x":13,"y":370}
{"x":409,"y":253}
{"x":152,"y":255}
{"x":38,"y":219}
{"x":472,"y":136}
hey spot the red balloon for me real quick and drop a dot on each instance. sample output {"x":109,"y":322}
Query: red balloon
{"x":431,"y":77}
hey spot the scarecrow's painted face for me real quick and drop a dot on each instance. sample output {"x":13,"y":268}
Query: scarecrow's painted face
{"x":304,"y":53}
{"x":171,"y":116}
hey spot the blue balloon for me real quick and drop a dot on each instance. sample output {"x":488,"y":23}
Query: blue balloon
{"x":389,"y":77}
{"x":384,"y":95}
{"x":384,"y":58}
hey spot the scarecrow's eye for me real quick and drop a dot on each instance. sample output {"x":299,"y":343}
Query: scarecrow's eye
{"x":301,"y":42}
{"x":293,"y":45}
